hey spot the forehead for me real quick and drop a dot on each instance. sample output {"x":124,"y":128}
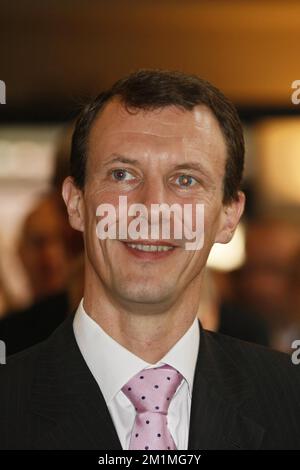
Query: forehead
{"x":170,"y":126}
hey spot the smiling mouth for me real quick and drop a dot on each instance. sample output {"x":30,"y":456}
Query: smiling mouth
{"x":150,"y":250}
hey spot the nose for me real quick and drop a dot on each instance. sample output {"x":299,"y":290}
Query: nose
{"x":153,"y":191}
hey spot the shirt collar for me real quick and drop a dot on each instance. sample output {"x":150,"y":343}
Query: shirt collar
{"x":112,"y":365}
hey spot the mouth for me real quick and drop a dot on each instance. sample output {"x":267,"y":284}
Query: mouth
{"x":148,"y":250}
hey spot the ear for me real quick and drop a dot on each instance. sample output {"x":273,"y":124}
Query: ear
{"x":230,"y":217}
{"x":73,"y":198}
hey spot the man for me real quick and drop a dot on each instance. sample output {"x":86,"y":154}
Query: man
{"x":264,"y":280}
{"x":134,"y":369}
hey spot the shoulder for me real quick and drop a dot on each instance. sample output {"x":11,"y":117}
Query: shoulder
{"x":16,"y":379}
{"x":253,"y":358}
{"x":25,"y":328}
{"x":17,"y":374}
{"x":272,"y":378}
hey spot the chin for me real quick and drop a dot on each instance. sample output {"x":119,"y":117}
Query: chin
{"x":145,"y":294}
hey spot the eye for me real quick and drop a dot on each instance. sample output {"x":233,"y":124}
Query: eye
{"x":121,"y":175}
{"x":185,"y":181}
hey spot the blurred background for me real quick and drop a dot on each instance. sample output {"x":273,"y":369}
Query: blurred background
{"x":54,"y":55}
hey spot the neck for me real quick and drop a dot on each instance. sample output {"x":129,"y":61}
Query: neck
{"x":148,"y":331}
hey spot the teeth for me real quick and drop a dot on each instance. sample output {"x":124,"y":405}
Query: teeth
{"x":150,"y":247}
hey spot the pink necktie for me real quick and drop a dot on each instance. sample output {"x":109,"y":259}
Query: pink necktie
{"x":151,"y":392}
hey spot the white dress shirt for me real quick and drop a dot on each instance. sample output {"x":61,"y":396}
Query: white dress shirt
{"x":112,"y":366}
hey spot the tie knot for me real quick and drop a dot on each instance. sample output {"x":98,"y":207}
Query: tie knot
{"x":152,"y":390}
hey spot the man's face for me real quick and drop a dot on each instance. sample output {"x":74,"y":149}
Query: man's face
{"x":166,"y":156}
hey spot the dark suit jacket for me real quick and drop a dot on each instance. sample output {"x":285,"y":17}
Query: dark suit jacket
{"x":244,"y":397}
{"x":243,"y":323}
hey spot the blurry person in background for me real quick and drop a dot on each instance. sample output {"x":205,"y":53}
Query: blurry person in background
{"x":43,"y":248}
{"x":219,"y":311}
{"x":51,"y":253}
{"x":295,"y":288}
{"x":47,"y":258}
{"x":292,"y":330}
{"x":263,"y":283}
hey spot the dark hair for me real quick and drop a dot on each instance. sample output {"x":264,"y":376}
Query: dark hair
{"x":154,"y":89}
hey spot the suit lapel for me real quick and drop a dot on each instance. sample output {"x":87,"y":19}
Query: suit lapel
{"x":69,"y":408}
{"x":219,"y":391}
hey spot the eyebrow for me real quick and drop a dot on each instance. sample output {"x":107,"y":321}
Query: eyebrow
{"x":122,"y":159}
{"x":192,"y":166}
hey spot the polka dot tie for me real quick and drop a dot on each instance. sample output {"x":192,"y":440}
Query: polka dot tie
{"x":151,"y":392}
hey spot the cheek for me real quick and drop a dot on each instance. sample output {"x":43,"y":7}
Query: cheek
{"x":209,"y":207}
{"x":100,"y":193}
{"x":94,"y":197}
{"x":90,"y":222}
